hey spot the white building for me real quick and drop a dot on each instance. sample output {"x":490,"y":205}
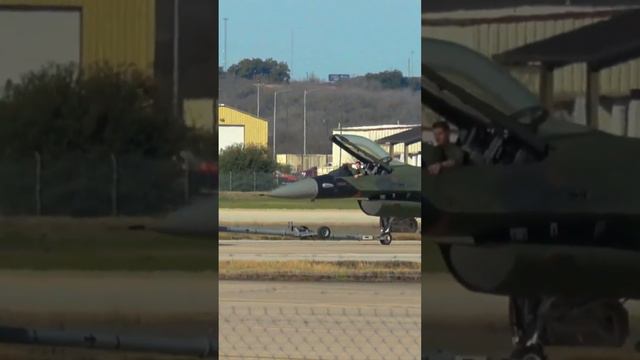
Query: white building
{"x":377,"y":132}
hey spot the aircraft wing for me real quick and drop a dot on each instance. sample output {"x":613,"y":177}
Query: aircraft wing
{"x":404,"y":180}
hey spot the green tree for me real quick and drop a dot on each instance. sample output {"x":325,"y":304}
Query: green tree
{"x":102,"y":109}
{"x":256,"y":69}
{"x":250,"y":158}
{"x":389,"y":79}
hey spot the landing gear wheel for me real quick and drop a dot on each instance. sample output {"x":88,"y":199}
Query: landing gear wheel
{"x":385,"y":230}
{"x":324,"y":232}
{"x":413,"y":225}
{"x":406,"y":225}
{"x":532,"y":352}
{"x":385,"y":239}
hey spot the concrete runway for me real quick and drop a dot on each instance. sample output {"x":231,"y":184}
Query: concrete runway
{"x":324,"y":250}
{"x":301,"y":217}
{"x":291,"y":320}
{"x":463,"y":322}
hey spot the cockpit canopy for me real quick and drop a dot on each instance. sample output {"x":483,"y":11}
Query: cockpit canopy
{"x":363,"y":149}
{"x":498,"y":117}
{"x":479,"y":76}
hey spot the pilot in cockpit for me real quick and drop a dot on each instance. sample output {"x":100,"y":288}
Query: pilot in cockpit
{"x":447,"y":154}
{"x":357,"y":169}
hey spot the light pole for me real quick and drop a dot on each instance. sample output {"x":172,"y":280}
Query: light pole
{"x":275,"y":119}
{"x":410,"y":63}
{"x":258,"y":85}
{"x":304,"y":124}
{"x":304,"y":127}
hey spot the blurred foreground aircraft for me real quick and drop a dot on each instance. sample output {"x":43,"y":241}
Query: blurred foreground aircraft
{"x":545,"y":211}
{"x":385,"y":188}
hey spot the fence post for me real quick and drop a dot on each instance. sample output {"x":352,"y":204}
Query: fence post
{"x":254,"y":181}
{"x":38,"y":184}
{"x":186,"y":181}
{"x":114,"y":185}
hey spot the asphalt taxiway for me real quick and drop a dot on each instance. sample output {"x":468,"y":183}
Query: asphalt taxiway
{"x":319,"y":250}
{"x":301,"y":217}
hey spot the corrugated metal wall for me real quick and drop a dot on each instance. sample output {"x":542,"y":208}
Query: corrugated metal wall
{"x":495,"y":37}
{"x":116,"y":31}
{"x":256,"y":130}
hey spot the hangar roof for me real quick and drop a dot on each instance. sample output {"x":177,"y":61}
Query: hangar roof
{"x":377,"y":127}
{"x":410,"y":136}
{"x":602,"y":44}
{"x":453,"y":5}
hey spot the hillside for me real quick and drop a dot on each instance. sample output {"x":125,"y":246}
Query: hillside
{"x":352,"y":103}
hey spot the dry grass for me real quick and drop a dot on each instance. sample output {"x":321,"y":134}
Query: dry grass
{"x":302,"y":270}
{"x":257,"y":200}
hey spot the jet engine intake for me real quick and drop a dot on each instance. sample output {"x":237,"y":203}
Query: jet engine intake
{"x":526,"y":270}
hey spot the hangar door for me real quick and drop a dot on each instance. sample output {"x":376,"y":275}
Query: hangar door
{"x":230,"y":135}
{"x":32,"y":38}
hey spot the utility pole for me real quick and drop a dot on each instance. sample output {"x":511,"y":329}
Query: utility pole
{"x":275,"y":119}
{"x":304,"y":123}
{"x":275,"y":104}
{"x":258,"y":99}
{"x":339,"y":150}
{"x":304,"y":128}
{"x":410,"y":62}
{"x":409,"y":67}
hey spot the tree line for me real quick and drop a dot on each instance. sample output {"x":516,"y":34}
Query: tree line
{"x":100,"y":109}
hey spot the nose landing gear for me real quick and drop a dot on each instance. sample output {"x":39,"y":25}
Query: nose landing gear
{"x":527,"y":322}
{"x":395,"y":224}
{"x":385,"y":230}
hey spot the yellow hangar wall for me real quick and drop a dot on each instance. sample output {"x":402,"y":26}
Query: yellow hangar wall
{"x":115,"y":31}
{"x":256,"y":130}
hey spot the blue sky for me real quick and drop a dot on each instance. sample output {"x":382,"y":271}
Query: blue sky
{"x":329,"y":36}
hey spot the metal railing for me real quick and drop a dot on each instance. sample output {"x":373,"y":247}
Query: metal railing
{"x":247,"y":181}
{"x":84,"y":185}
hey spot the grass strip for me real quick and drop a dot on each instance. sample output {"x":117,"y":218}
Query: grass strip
{"x":304,"y":270}
{"x":257,"y":200}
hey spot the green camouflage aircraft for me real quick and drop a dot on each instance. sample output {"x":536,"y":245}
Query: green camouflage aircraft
{"x":388,"y":188}
{"x":544,"y":211}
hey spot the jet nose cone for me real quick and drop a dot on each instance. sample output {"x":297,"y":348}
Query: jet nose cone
{"x":303,"y":189}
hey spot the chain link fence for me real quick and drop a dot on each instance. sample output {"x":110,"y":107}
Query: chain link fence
{"x":84,"y":185}
{"x":319,"y":333}
{"x":248,"y":181}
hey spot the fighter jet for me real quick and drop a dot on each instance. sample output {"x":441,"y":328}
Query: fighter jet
{"x":387,"y":188}
{"x":545,"y":211}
